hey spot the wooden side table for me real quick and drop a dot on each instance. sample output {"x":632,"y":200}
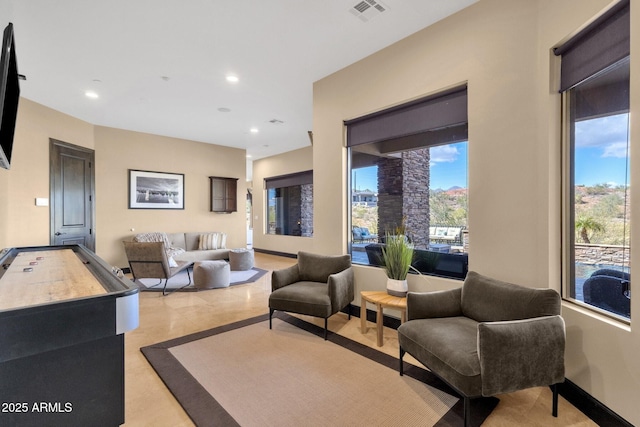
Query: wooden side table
{"x":381,"y":299}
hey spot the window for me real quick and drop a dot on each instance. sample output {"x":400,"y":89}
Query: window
{"x":408,"y":165}
{"x":596,"y":166}
{"x":290,"y":204}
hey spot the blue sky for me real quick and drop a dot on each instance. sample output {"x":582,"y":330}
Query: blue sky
{"x":448,"y":169}
{"x":600,"y":157}
{"x":601,"y":151}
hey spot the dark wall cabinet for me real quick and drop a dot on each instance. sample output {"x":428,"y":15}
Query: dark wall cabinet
{"x":224,"y":194}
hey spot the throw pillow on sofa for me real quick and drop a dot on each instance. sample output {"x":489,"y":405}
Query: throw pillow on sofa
{"x":160,"y":237}
{"x":154,"y":236}
{"x":209,"y":241}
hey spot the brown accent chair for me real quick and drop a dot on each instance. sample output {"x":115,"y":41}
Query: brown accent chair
{"x":487,"y":338}
{"x":149,"y":260}
{"x":317,"y":285}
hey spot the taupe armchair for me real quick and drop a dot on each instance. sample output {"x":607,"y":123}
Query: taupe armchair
{"x":317,"y":285}
{"x":487,"y":338}
{"x":149,"y":260}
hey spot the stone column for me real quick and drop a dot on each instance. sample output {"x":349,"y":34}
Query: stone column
{"x":306,"y":210}
{"x":403,"y":192}
{"x":415,"y":197}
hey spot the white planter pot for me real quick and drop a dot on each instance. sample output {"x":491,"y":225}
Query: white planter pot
{"x":397,"y":288}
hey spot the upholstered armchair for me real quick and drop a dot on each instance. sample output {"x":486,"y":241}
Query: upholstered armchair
{"x":487,"y":338}
{"x":317,"y":285}
{"x":150,"y":260}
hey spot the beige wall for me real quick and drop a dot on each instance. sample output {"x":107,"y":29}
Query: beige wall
{"x":502,"y":49}
{"x":291,"y":162}
{"x":24,"y":224}
{"x":118,"y":150}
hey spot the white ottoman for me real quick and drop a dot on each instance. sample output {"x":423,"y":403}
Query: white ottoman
{"x":241,"y":259}
{"x":211,"y":274}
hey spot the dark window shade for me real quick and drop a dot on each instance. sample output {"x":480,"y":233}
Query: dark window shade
{"x":601,"y":44}
{"x":603,"y":96}
{"x":289,"y":180}
{"x":444,"y":110}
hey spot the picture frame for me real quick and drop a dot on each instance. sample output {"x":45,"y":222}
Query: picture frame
{"x":155,"y":190}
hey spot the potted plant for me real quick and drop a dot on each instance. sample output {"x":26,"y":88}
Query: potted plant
{"x":397,"y":254}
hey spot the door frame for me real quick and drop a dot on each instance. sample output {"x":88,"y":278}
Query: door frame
{"x":53,"y":143}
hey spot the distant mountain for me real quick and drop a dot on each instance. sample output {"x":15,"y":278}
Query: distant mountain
{"x":454,"y":189}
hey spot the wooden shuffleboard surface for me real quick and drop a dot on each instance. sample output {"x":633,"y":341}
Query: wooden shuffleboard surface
{"x":55,"y":275}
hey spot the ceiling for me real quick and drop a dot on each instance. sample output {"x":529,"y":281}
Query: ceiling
{"x":160,"y":66}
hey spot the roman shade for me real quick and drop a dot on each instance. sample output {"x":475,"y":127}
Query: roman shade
{"x":436,"y":114}
{"x":601,"y":44}
{"x":289,"y":180}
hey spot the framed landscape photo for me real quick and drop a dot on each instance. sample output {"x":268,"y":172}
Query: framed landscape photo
{"x":155,"y":190}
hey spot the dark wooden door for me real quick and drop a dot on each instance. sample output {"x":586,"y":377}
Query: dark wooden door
{"x":72,"y":191}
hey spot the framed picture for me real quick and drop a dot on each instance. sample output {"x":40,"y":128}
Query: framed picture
{"x":155,"y":190}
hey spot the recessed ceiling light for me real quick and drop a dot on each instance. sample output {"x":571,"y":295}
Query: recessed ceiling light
{"x":248,"y":156}
{"x":254,"y":130}
{"x":232,"y":79}
{"x":91,"y":94}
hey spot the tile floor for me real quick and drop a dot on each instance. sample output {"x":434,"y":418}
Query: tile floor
{"x":149,"y":403}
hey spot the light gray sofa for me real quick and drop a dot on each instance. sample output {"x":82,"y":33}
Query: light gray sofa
{"x":190,"y":242}
{"x":488,"y":337}
{"x":184,"y":247}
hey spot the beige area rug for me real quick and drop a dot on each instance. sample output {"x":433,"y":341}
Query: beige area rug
{"x":245,"y":374}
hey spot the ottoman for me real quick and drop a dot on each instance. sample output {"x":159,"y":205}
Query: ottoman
{"x":241,"y":259}
{"x":211,"y":274}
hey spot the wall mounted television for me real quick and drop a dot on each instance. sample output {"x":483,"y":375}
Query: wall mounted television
{"x":9,"y":96}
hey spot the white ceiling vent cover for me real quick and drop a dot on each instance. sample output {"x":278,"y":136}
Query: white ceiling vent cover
{"x":366,"y":10}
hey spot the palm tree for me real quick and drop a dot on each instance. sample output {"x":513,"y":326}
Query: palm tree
{"x":586,"y":225}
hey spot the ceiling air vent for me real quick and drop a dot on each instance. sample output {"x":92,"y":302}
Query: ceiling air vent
{"x":366,"y":10}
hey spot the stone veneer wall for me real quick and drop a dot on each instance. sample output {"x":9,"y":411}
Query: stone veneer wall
{"x":306,"y":210}
{"x":403,"y":192}
{"x":602,"y":254}
{"x":299,"y":200}
{"x":415,"y":206}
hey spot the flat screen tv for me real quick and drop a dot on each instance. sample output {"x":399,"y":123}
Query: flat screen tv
{"x":9,"y":96}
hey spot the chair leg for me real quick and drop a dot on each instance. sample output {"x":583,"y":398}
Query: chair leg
{"x":401,"y":369}
{"x":554,"y":406}
{"x":166,"y":281}
{"x":467,"y":411}
{"x":271,"y":310}
{"x":349,"y":312}
{"x":326,"y":321}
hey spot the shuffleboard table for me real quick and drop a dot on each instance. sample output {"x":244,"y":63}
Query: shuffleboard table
{"x":63,"y":315}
